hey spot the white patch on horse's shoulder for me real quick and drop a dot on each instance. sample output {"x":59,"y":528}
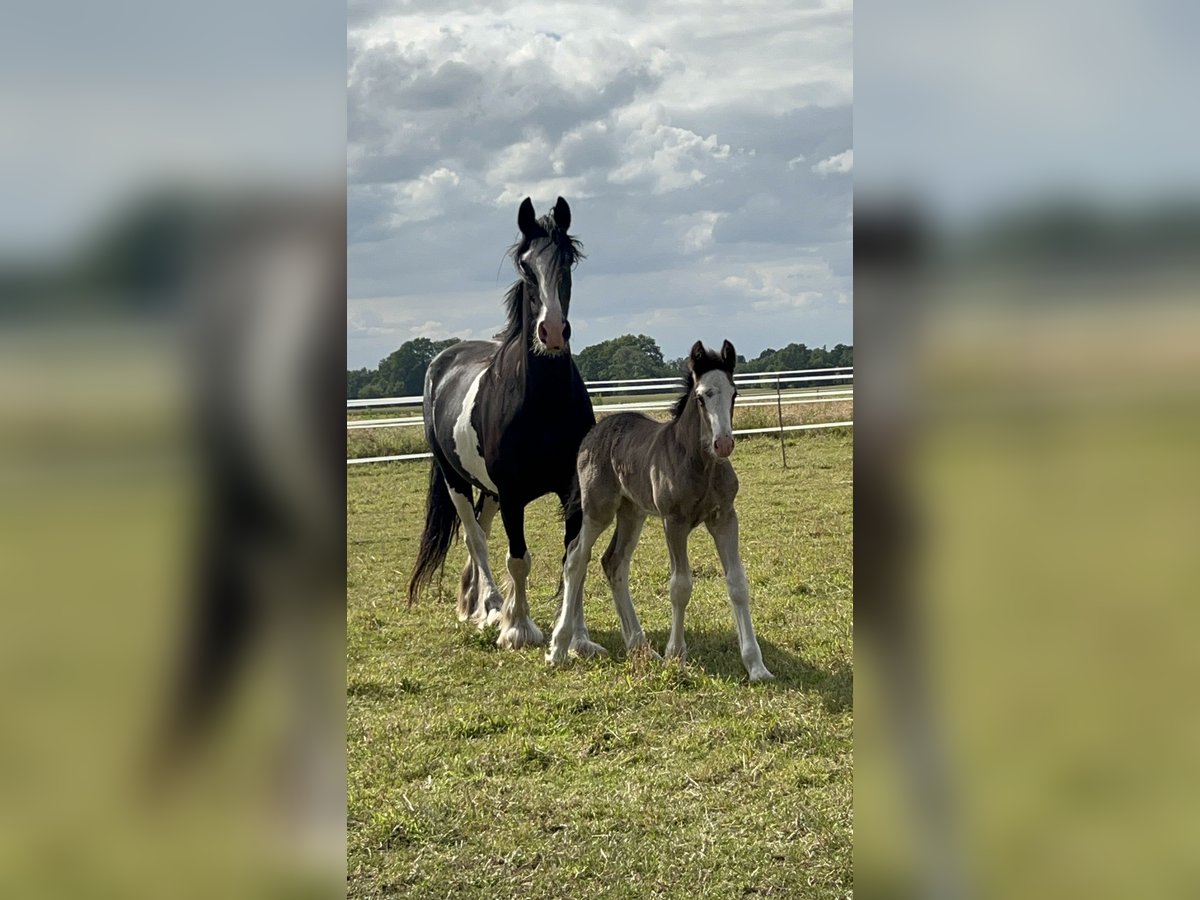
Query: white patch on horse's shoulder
{"x":466,"y":441}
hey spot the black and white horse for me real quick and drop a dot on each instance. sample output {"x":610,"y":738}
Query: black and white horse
{"x":505,"y":418}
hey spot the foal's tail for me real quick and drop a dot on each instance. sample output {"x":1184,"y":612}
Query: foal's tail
{"x":441,"y":525}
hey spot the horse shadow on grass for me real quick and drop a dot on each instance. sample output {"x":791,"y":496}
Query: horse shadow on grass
{"x":715,"y":652}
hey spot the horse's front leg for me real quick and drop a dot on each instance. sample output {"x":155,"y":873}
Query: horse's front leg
{"x":681,"y":583}
{"x":724,"y":529}
{"x":517,"y":629}
{"x":579,"y":554}
{"x":582,"y":644}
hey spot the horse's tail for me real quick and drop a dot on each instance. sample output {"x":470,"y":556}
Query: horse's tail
{"x":441,"y":525}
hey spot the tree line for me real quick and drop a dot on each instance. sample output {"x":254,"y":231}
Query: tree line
{"x":402,"y":372}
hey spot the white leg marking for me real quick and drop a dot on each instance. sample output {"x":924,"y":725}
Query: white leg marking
{"x":680,"y":586}
{"x":629,"y":526}
{"x":466,"y":441}
{"x":725,"y":535}
{"x":582,"y":644}
{"x":579,"y":554}
{"x":473,"y":593}
{"x":477,"y":549}
{"x":517,"y":629}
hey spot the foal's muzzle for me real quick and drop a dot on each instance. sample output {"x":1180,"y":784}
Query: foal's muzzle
{"x":723,"y":446}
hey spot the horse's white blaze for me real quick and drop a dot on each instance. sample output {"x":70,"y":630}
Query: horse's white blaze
{"x":466,"y":440}
{"x":551,"y":315}
{"x":717,"y":392}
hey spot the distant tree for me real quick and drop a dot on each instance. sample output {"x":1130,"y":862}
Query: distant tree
{"x":627,"y":356}
{"x":401,"y":373}
{"x":674,"y":367}
{"x":356,"y":380}
{"x":799,"y":356}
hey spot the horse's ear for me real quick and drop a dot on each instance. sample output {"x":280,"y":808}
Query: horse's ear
{"x":562,"y":215}
{"x":695,"y":356}
{"x":527,"y":218}
{"x":728,"y":356}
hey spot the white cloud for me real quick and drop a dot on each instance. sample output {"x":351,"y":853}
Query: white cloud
{"x":673,"y":130}
{"x":698,"y":233}
{"x":840,"y":164}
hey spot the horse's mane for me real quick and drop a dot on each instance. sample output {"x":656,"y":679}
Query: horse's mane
{"x":709,"y":362}
{"x":570,"y":252}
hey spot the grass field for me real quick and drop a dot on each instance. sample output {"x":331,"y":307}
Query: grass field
{"x":475,"y":772}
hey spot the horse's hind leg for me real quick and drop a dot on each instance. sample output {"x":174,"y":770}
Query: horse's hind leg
{"x":471,"y":590}
{"x":615,"y":563}
{"x":517,"y":629}
{"x":477,"y":549}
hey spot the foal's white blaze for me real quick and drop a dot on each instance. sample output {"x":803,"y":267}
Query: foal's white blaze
{"x":466,"y":441}
{"x":717,"y":391}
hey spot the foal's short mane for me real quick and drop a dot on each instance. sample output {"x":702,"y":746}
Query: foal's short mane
{"x":570,"y":252}
{"x":710,"y":362}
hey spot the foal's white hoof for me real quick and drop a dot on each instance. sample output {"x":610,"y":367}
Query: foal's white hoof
{"x":643,"y":650}
{"x":676,"y":652}
{"x":556,"y":656}
{"x":585,"y":649}
{"x":520,"y":634}
{"x":761,"y":673}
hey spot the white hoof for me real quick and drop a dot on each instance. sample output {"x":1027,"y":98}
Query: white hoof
{"x":520,"y":634}
{"x":760,"y":673}
{"x":676,"y":651}
{"x":585,"y":649}
{"x":643,"y":649}
{"x":556,"y":656}
{"x":488,"y":612}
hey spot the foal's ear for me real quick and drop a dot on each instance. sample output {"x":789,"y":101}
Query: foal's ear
{"x":527,"y":218}
{"x":696,"y":355}
{"x":562,"y":215}
{"x":728,"y":356}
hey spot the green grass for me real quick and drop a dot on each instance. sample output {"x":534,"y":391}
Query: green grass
{"x":476,"y":772}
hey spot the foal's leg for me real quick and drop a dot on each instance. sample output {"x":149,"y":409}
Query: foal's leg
{"x":579,"y":554}
{"x":582,"y":644}
{"x":516,"y":627}
{"x":615,"y":563}
{"x":724,"y":529}
{"x":681,"y":583}
{"x":477,"y":548}
{"x":470,"y":588}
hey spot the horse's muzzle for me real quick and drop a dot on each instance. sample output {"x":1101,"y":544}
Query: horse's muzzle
{"x":554,"y":335}
{"x":723,"y":446}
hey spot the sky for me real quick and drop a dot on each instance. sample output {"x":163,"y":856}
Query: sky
{"x":705,"y":149}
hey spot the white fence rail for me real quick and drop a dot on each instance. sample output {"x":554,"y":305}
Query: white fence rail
{"x":757,"y":381}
